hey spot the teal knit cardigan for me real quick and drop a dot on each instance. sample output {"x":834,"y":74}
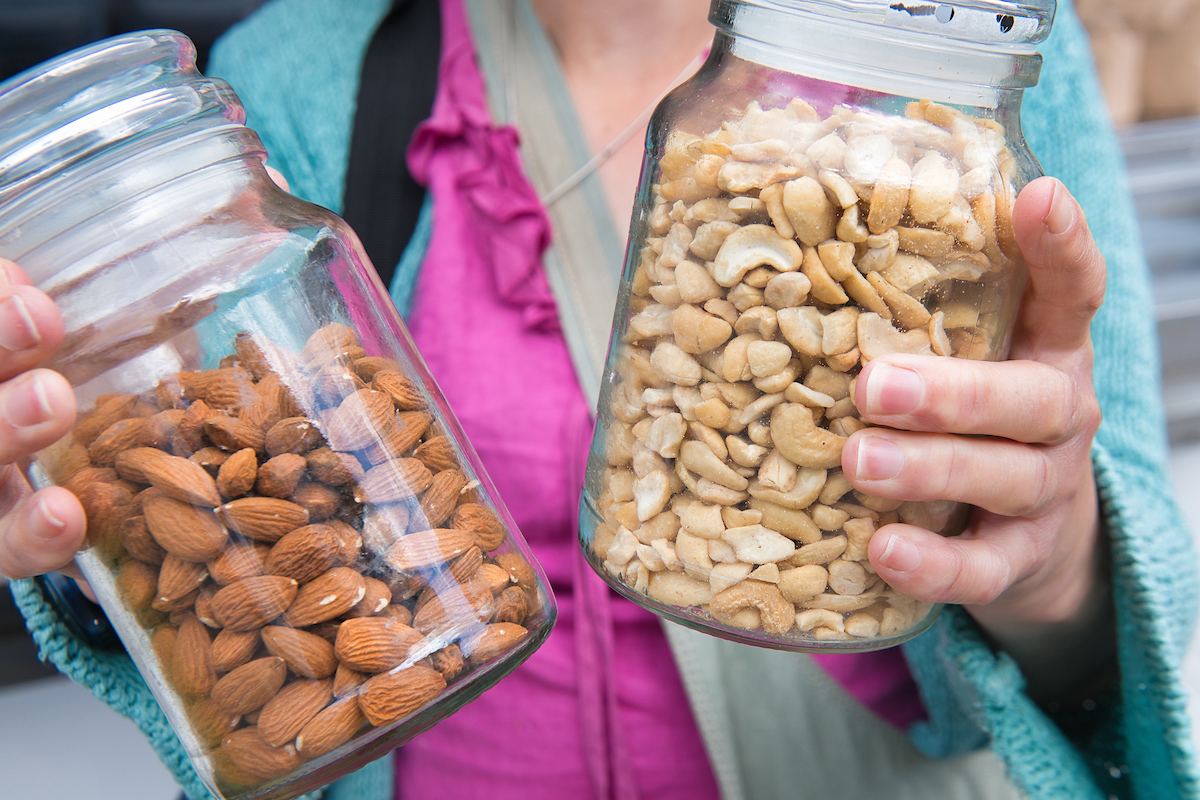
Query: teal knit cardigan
{"x":295,"y":65}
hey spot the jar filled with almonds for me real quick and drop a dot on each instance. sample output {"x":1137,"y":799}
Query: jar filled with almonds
{"x":833,"y":185}
{"x":286,"y":526}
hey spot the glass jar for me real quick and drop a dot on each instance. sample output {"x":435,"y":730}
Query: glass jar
{"x":834,"y":184}
{"x":286,"y":525}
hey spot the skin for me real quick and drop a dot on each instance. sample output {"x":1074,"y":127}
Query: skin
{"x":1011,"y":438}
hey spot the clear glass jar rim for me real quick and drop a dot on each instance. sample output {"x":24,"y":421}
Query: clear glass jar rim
{"x":1016,"y":23}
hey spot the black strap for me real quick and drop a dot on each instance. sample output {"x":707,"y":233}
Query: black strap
{"x":395,"y":94}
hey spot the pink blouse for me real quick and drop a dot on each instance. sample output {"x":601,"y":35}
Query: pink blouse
{"x":599,"y":710}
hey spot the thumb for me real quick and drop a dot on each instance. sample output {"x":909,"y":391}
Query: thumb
{"x":1066,"y":270}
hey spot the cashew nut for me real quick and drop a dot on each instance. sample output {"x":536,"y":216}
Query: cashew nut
{"x":777,"y":614}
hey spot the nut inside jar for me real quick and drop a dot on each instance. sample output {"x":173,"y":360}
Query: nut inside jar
{"x":305,"y":547}
{"x":783,"y":251}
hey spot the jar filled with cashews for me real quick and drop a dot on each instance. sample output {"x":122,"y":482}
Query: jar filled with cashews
{"x":834,"y":184}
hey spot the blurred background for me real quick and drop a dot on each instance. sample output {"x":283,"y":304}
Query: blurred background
{"x":1148,"y":60}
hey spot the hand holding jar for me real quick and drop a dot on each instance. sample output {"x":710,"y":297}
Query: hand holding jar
{"x":39,"y":532}
{"x":1013,"y":439}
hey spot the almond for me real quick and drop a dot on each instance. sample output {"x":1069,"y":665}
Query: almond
{"x":128,"y":463}
{"x":331,"y":728}
{"x":404,"y":393}
{"x":359,"y":420}
{"x":139,"y":543}
{"x":377,"y":598}
{"x":106,"y":506}
{"x":334,"y":382}
{"x":346,"y":680}
{"x":178,"y":583}
{"x":399,"y":436}
{"x":306,"y":654}
{"x":394,"y":482}
{"x":225,"y":388}
{"x":436,"y":453}
{"x":249,"y":686}
{"x":239,"y":560}
{"x":329,"y":339}
{"x":286,"y":713}
{"x":72,"y":459}
{"x":137,"y":583}
{"x":264,"y":519}
{"x":245,"y":759}
{"x":232,"y":434}
{"x":350,"y":542}
{"x":492,"y":641}
{"x":368,"y":367}
{"x":118,"y":437}
{"x":231,"y":649}
{"x":494,"y":576}
{"x":334,"y":469}
{"x":518,"y":568}
{"x":511,"y":606}
{"x":326,"y":597}
{"x":210,"y":722}
{"x":441,"y":497}
{"x":162,"y":642}
{"x":397,"y":611}
{"x":191,"y":664}
{"x":193,"y":534}
{"x":304,"y":553}
{"x":321,"y":501}
{"x":453,"y":605}
{"x":182,"y":479}
{"x":467,"y":565}
{"x":237,"y":475}
{"x":211,"y":458}
{"x":279,"y":476}
{"x":374,"y":644}
{"x":480,"y":520}
{"x":112,"y":409}
{"x":425,"y":549}
{"x":296,"y":435}
{"x":83,"y":478}
{"x":389,"y":697}
{"x":161,"y":429}
{"x":253,"y":353}
{"x":203,"y":604}
{"x":448,"y":661}
{"x":191,"y":429}
{"x":251,"y":603}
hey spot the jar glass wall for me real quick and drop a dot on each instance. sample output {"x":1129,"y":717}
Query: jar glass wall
{"x":809,"y":202}
{"x":286,"y":525}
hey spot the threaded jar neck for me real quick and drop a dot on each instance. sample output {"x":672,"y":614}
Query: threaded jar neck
{"x":972,"y":53}
{"x":101,"y":125}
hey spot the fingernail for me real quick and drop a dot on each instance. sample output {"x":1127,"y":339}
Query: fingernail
{"x":26,"y":403}
{"x":879,"y":459}
{"x":51,"y":525}
{"x":1061,"y":215}
{"x":20,"y":332}
{"x":900,"y":554}
{"x":893,"y":390}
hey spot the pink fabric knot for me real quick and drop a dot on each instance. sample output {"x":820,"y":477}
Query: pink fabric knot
{"x":507,"y":224}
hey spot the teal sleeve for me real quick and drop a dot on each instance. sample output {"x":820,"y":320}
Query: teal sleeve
{"x":1136,"y":742}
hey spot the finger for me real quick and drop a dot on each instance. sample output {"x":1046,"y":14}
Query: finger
{"x":1006,"y":478}
{"x":36,"y":410}
{"x":31,"y":328}
{"x":1066,"y":271}
{"x":41,"y":534}
{"x":277,"y":176}
{"x":1025,"y":401}
{"x":961,"y":569}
